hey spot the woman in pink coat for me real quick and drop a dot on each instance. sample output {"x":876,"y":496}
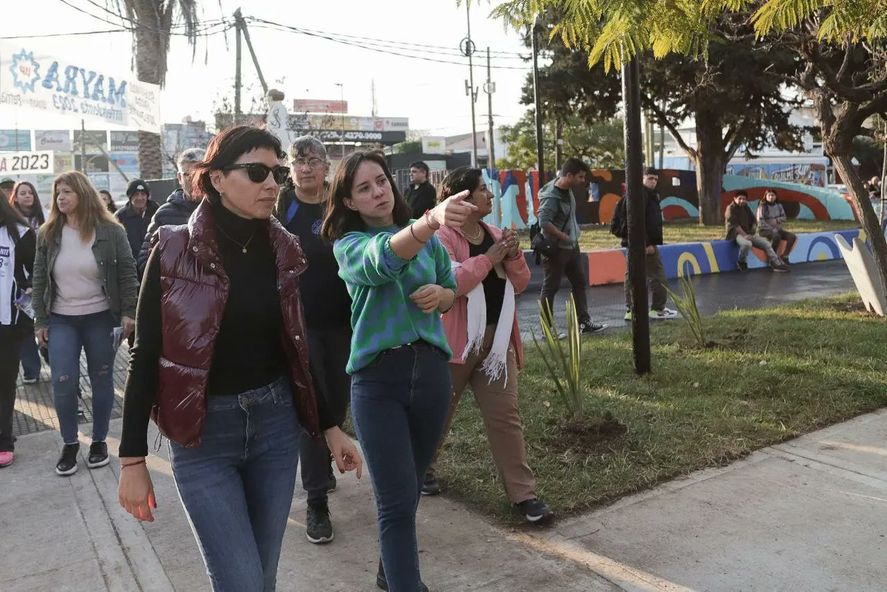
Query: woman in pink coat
{"x":483,"y":333}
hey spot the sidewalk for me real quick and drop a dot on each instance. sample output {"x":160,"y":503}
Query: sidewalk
{"x":806,"y":515}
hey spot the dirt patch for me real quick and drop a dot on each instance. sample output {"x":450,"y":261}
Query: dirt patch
{"x":855,"y":306}
{"x":588,"y":434}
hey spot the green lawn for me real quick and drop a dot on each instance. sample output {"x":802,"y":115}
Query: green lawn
{"x":597,"y":236}
{"x":779,"y":373}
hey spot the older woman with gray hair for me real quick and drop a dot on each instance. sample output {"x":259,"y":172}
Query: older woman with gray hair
{"x":301,"y":207}
{"x":178,"y":207}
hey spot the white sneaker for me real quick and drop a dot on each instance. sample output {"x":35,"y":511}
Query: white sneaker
{"x":665,"y":313}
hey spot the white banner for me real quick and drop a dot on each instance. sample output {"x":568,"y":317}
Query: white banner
{"x":30,"y":79}
{"x":38,"y":162}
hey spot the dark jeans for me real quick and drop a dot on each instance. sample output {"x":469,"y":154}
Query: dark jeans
{"x":656,"y":281}
{"x":30,"y":358}
{"x":237,"y":486}
{"x":399,"y":404}
{"x":328,"y":350}
{"x":777,"y":236}
{"x":67,"y":336}
{"x":11,"y":338}
{"x":566,"y":262}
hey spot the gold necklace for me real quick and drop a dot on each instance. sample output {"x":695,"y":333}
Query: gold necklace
{"x":475,"y":238}
{"x":230,"y":238}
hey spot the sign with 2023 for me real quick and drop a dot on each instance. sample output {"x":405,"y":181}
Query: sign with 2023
{"x":33,"y":162}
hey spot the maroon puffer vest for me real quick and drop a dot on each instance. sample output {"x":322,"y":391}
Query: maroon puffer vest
{"x":194,"y":290}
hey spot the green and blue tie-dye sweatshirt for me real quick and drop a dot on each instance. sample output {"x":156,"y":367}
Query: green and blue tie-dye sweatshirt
{"x":380,"y":284}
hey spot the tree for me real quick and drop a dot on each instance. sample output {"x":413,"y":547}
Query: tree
{"x":840,"y":41}
{"x":732,"y":113}
{"x":152,"y":22}
{"x":598,"y":143}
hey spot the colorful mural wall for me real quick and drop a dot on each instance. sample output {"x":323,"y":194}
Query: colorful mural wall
{"x":516,"y":198}
{"x":608,"y":267}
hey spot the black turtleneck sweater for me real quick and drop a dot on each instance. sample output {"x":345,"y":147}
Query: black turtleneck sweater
{"x":248,"y":351}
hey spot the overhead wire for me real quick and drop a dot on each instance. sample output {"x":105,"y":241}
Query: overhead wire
{"x":207,"y":31}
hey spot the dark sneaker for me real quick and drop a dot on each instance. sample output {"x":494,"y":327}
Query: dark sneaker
{"x":98,"y":455}
{"x":67,"y":464}
{"x":742,"y":266}
{"x":535,"y":511}
{"x":430,"y":486}
{"x":331,"y":486}
{"x":319,"y":529}
{"x":589,"y":328}
{"x":779,"y":268}
{"x":382,"y":582}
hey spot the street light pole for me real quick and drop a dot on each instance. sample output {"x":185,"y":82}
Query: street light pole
{"x":537,"y":101}
{"x":472,"y":94}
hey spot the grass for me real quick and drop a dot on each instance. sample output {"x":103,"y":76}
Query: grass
{"x":597,"y":236}
{"x":778,"y":373}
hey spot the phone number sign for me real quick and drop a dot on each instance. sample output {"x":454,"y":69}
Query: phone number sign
{"x":36,"y":162}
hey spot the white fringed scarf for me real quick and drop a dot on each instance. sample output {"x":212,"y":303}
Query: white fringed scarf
{"x":495,"y":364}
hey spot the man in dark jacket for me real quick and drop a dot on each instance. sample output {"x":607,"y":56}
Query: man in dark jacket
{"x":420,"y":195}
{"x":136,"y":215}
{"x":178,"y":207}
{"x":300,"y":208}
{"x":653,"y":226}
{"x":741,"y":223}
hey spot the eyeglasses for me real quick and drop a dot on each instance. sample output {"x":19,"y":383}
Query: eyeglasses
{"x":258,"y":172}
{"x":312,"y":162}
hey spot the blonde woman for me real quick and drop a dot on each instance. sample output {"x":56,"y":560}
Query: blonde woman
{"x":84,"y":286}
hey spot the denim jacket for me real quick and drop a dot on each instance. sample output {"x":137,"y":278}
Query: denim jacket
{"x":117,"y":271}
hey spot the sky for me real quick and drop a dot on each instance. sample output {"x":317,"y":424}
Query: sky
{"x":432,"y":95}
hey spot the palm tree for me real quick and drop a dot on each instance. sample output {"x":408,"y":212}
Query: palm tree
{"x":152,"y":22}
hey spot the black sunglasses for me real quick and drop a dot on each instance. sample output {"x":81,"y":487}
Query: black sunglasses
{"x":258,"y":172}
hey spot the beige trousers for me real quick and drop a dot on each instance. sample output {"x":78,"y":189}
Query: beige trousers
{"x":498,"y":408}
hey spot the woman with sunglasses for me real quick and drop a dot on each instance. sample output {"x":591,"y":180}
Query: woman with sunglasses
{"x":483,"y":332}
{"x":221,"y":356}
{"x":25,"y":199}
{"x":400,"y":280}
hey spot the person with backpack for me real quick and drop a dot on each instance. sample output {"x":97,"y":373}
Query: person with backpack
{"x":560,"y":245}
{"x":653,"y":225}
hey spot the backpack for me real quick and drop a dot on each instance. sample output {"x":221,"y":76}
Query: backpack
{"x":619,"y":223}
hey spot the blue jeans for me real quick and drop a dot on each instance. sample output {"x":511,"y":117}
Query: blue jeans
{"x":68,"y":335}
{"x":237,"y":486}
{"x":399,"y":404}
{"x":30,"y":358}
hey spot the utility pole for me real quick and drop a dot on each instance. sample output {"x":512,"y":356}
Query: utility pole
{"x":537,"y":101}
{"x":468,"y":50}
{"x":83,"y":146}
{"x":241,"y":25}
{"x":634,"y":168}
{"x":342,"y":100}
{"x":558,"y":142}
{"x":237,"y":79}
{"x":490,"y":88}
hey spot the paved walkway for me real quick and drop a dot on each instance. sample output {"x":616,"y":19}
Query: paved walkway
{"x":807,"y":515}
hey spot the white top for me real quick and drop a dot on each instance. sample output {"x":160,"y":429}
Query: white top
{"x":78,"y":286}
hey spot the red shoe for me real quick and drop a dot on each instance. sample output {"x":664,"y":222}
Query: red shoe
{"x":6,"y":458}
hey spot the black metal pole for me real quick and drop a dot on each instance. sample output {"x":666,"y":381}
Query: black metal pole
{"x":537,"y":101}
{"x":634,"y":170}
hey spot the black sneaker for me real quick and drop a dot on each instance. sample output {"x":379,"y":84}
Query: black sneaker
{"x":430,"y":486}
{"x":742,"y":266}
{"x":331,"y":486}
{"x":589,"y":327}
{"x":319,"y":529}
{"x":67,"y":464}
{"x":98,"y":455}
{"x":535,"y":511}
{"x":779,"y":268}
{"x":382,"y":581}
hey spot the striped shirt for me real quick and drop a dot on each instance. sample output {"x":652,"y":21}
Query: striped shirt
{"x":380,"y":284}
